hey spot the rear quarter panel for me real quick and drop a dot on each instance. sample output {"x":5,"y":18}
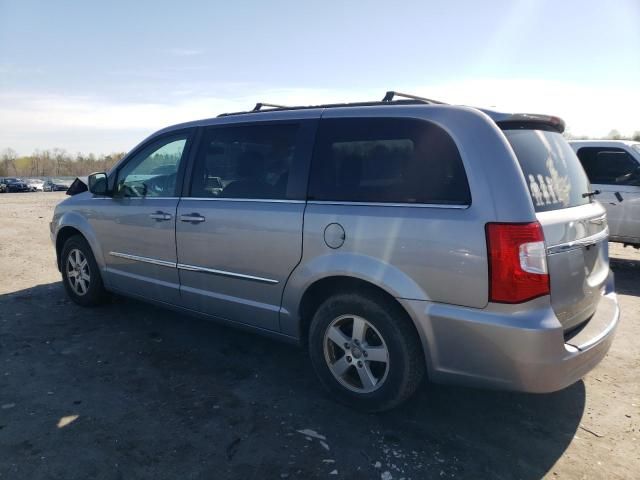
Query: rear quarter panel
{"x":418,"y":252}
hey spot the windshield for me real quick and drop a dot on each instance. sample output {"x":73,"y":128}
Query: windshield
{"x":553,"y":173}
{"x":636,"y":147}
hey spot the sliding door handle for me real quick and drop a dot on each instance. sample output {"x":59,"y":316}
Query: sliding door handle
{"x":160,"y":216}
{"x":192,"y":218}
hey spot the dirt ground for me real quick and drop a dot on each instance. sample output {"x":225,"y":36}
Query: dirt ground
{"x":132,"y":391}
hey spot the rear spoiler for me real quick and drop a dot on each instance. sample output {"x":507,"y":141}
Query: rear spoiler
{"x":531,"y":122}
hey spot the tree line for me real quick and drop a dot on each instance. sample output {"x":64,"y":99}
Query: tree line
{"x":613,"y":135}
{"x":54,"y":163}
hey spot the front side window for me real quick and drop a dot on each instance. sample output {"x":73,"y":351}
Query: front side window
{"x":247,"y":161}
{"x":609,"y":166}
{"x":387,"y":160}
{"x":152,"y":172}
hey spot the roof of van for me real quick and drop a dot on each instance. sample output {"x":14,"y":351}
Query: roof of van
{"x":274,"y":112}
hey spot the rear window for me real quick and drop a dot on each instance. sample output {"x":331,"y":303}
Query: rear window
{"x":387,"y":160}
{"x":553,"y":173}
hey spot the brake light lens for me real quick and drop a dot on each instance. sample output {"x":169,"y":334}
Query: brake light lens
{"x":517,"y":262}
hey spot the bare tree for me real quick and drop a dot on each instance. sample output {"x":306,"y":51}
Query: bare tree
{"x":614,"y":135}
{"x":8,"y":161}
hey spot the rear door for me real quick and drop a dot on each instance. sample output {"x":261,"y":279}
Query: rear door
{"x":575,"y":225}
{"x":616,"y":173}
{"x":239,"y":230}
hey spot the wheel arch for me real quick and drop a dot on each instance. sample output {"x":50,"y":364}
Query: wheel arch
{"x":346,"y":269}
{"x":72,"y":224}
{"x":325,"y":287}
{"x":65,"y":234}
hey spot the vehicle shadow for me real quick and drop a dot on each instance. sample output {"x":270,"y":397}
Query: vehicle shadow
{"x":627,"y":272}
{"x":159,"y":394}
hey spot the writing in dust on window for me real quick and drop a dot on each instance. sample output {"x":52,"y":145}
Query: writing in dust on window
{"x":550,"y":189}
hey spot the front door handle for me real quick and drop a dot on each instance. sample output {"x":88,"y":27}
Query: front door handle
{"x":192,"y":218}
{"x":160,"y":216}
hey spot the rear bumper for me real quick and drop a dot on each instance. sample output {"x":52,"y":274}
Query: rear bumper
{"x":511,"y":347}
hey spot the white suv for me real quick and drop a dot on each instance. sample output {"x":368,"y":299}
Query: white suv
{"x":613,"y":167}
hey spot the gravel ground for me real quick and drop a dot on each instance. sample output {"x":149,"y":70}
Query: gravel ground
{"x":132,"y":391}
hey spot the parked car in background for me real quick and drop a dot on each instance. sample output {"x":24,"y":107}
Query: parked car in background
{"x":613,"y":167}
{"x":54,"y":186}
{"x":13,"y":184}
{"x":35,"y":185}
{"x":391,"y":239}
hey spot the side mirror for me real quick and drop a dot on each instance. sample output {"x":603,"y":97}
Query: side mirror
{"x":98,"y":184}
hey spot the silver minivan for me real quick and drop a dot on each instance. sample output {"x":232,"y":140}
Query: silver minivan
{"x":392,"y":239}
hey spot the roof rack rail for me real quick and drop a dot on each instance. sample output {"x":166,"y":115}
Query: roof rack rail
{"x":389,"y":99}
{"x":259,"y":106}
{"x":390,"y":95}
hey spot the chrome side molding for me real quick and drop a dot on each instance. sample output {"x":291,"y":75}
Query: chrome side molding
{"x":193,"y":268}
{"x":224,"y":273}
{"x":137,"y":258}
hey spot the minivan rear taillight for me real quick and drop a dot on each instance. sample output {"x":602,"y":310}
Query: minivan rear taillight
{"x":517,"y":262}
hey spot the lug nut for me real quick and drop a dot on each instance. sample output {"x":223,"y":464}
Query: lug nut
{"x":346,"y":346}
{"x":365,"y":353}
{"x":348,"y":359}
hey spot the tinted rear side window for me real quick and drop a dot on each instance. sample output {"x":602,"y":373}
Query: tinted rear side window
{"x":553,"y":172}
{"x":391,"y":160}
{"x":247,"y":161}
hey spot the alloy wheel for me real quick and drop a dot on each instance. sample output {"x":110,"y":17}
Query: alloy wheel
{"x":356,"y":353}
{"x":78,"y":272}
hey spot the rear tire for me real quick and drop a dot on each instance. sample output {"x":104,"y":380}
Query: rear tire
{"x":80,"y":273}
{"x":365,"y":351}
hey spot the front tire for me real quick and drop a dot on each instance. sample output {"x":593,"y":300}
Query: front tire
{"x":80,"y":273}
{"x":366,"y":351}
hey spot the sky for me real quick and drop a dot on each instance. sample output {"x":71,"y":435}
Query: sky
{"x":99,"y":76}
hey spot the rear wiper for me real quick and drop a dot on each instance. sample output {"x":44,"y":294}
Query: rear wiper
{"x":591,"y":194}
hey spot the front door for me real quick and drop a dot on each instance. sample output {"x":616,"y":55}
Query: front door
{"x":239,"y":231}
{"x":616,"y":173}
{"x":136,"y":226}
